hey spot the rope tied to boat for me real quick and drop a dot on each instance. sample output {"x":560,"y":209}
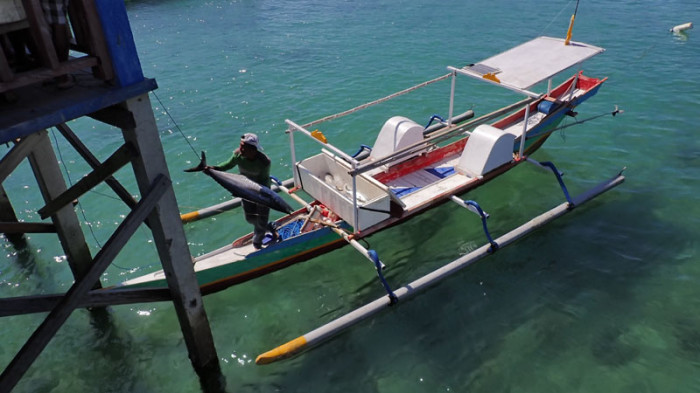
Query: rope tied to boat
{"x":290,"y":230}
{"x":182,"y":134}
{"x":379,"y":101}
{"x":615,"y":112}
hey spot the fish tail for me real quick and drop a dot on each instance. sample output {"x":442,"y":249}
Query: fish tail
{"x":202,"y":165}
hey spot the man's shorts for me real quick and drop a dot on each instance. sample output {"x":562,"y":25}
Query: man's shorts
{"x":55,"y":11}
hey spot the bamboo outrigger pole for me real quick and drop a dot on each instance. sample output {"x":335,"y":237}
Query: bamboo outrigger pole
{"x":334,"y":327}
{"x":223,"y":206}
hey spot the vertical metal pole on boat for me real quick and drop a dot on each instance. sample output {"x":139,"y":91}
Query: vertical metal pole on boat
{"x":522,"y":138}
{"x":573,"y":87}
{"x":549,"y":86}
{"x":290,"y":130}
{"x":452,"y":98}
{"x":356,"y":212}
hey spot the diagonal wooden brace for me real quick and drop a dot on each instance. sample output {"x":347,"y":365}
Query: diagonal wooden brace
{"x":73,"y":298}
{"x":116,"y":161}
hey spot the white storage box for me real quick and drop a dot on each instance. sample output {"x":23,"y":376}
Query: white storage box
{"x":325,"y":177}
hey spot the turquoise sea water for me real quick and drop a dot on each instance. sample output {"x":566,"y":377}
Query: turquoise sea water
{"x":605,"y":299}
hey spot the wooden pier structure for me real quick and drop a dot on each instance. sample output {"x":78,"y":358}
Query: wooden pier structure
{"x":41,"y":88}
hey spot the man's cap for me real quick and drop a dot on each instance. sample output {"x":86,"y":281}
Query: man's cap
{"x":251,"y":139}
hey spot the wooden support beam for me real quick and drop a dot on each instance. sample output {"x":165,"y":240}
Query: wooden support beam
{"x":96,"y":298}
{"x":7,"y":165}
{"x":27,"y":119}
{"x":94,"y":163}
{"x":116,"y":161}
{"x":51,"y":184}
{"x":116,"y":116}
{"x":6,"y":73}
{"x":26,"y":227}
{"x":17,"y":154}
{"x":169,"y":236}
{"x":41,"y":33}
{"x":119,"y":42}
{"x":88,"y":32}
{"x":43,"y":74}
{"x":13,"y":26}
{"x":7,"y":214}
{"x":58,"y":316}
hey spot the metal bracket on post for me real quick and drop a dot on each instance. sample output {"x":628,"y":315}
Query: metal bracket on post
{"x":549,"y":165}
{"x":433,"y":118}
{"x":476,"y":209}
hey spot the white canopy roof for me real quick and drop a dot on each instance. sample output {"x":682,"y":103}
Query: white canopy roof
{"x":532,"y":62}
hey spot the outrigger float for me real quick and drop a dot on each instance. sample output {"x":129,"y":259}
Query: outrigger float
{"x":410,"y":169}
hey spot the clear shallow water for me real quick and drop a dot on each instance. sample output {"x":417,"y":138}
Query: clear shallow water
{"x":603,"y":300}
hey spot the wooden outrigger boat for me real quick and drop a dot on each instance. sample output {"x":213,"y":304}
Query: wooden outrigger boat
{"x":409,"y":170}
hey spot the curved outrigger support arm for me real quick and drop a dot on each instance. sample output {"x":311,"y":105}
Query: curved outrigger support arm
{"x":378,"y":265}
{"x":474,"y":207}
{"x":319,"y":335}
{"x":374,"y":258}
{"x":549,"y":165}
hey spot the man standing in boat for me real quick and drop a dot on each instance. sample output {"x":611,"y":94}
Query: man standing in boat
{"x":255,"y":165}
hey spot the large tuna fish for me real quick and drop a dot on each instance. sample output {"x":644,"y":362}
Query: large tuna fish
{"x":244,"y":188}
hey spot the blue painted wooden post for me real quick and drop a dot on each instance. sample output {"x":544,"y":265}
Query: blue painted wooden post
{"x":120,"y":42}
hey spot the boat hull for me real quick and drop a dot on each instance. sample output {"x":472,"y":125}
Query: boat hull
{"x":538,"y":135}
{"x":239,"y":262}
